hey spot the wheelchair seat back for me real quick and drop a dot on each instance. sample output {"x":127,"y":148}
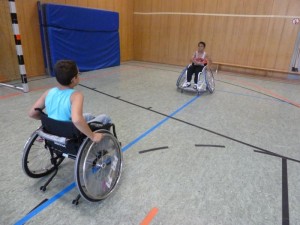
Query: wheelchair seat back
{"x":60,"y":128}
{"x":65,"y":129}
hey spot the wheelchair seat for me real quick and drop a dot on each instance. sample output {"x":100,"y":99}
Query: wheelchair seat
{"x":99,"y":164}
{"x":206,"y":81}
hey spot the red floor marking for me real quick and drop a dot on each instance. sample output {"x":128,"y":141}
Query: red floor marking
{"x":49,"y":86}
{"x":21,"y":93}
{"x":149,"y":217}
{"x":10,"y":95}
{"x":266,"y":91}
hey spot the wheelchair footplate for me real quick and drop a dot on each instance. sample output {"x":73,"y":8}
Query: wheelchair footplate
{"x":205,"y":81}
{"x":193,"y":88}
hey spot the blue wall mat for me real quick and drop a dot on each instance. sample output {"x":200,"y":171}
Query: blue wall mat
{"x":90,"y":37}
{"x":78,"y":18}
{"x":90,"y":51}
{"x":40,"y":14}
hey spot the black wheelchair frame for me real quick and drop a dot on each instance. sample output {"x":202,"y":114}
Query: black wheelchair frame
{"x":98,"y":166}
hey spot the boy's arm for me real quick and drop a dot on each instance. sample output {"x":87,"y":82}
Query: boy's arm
{"x":193,"y":60}
{"x":78,"y":119}
{"x":40,"y":103}
{"x":209,"y":61}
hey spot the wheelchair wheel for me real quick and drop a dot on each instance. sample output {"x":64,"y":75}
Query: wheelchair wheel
{"x":36,"y":161}
{"x":181,"y":78}
{"x":210,"y":81}
{"x":98,"y":167}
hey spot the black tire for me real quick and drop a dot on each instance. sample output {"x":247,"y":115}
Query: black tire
{"x":98,"y":167}
{"x":36,"y":160}
{"x":210,"y":80}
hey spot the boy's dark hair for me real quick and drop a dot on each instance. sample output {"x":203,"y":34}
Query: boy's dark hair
{"x":64,"y":71}
{"x":203,"y":43}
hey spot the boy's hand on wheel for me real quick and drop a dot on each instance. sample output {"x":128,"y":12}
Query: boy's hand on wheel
{"x":97,"y":137}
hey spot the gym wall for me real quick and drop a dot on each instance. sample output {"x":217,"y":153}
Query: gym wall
{"x":254,"y":41}
{"x":30,"y":33}
{"x":9,"y":69}
{"x":263,"y":42}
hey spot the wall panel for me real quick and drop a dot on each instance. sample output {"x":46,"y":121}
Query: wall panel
{"x":172,"y":38}
{"x":250,"y":33}
{"x":30,"y":31}
{"x":92,"y":3}
{"x":8,"y":57}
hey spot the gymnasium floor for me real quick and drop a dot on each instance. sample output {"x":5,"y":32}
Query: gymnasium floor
{"x":252,"y":177}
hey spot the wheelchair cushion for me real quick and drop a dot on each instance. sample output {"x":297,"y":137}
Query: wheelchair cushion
{"x":55,"y":139}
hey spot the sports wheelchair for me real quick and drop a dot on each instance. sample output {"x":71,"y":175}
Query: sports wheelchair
{"x":98,"y":166}
{"x":206,"y":80}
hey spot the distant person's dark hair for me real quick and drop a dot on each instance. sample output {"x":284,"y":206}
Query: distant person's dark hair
{"x":203,"y":43}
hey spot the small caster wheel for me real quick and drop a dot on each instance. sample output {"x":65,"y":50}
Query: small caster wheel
{"x":75,"y":202}
{"x":43,"y":188}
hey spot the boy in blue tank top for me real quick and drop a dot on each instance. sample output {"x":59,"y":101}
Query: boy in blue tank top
{"x":66,"y":104}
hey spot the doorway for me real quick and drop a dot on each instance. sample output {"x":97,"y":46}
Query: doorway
{"x":295,"y":64}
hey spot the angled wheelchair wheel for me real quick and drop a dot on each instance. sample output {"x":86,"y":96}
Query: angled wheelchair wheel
{"x":36,"y":161}
{"x":181,"y":78}
{"x":210,"y":80}
{"x":98,"y":167}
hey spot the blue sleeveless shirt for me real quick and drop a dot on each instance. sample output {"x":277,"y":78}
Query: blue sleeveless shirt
{"x":58,"y":104}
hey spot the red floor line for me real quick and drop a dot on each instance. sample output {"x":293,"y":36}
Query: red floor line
{"x":271,"y":79}
{"x":49,"y":86}
{"x":21,"y":93}
{"x":10,"y":95}
{"x":147,"y":220}
{"x":266,"y":91}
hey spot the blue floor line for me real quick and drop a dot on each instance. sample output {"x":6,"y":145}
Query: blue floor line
{"x":46,"y":204}
{"x":157,"y":125}
{"x":71,"y":186}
